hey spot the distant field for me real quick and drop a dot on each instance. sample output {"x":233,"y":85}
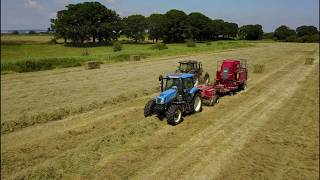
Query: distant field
{"x":17,"y":49}
{"x":8,"y":39}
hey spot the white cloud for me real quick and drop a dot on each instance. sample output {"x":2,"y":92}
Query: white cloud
{"x":33,"y":4}
{"x":112,"y":1}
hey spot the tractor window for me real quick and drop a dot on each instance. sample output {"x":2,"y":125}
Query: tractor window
{"x":188,"y":83}
{"x":186,"y":67}
{"x":225,"y":73}
{"x":172,"y":82}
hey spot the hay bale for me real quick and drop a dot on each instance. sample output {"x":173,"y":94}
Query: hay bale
{"x":310,"y":52}
{"x":309,"y":61}
{"x":92,"y":65}
{"x":258,"y":68}
{"x":135,"y":58}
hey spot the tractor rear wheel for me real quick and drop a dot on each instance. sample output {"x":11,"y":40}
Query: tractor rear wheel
{"x":214,"y":100}
{"x":197,"y":103}
{"x":196,"y":81}
{"x":148,"y":109}
{"x":206,"y":79}
{"x":174,"y":115}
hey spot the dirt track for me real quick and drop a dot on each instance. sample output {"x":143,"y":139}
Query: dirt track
{"x":270,"y":131}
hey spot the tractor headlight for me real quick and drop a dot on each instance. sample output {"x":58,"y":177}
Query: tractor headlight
{"x":162,"y":101}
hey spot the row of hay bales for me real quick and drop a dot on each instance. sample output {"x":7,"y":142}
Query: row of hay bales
{"x":259,"y":68}
{"x":96,"y":64}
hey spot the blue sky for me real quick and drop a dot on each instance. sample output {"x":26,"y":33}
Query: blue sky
{"x":35,"y":14}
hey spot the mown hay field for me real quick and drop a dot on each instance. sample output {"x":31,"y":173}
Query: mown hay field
{"x":75,"y":123}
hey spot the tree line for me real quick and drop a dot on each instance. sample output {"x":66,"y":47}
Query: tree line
{"x":301,"y":34}
{"x":92,"y":21}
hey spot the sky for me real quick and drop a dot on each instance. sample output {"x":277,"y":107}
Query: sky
{"x":36,"y":14}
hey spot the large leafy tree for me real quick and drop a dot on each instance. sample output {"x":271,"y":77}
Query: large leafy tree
{"x":306,"y":31}
{"x":86,"y":21}
{"x":156,"y":26}
{"x":177,"y":27}
{"x":230,"y":30}
{"x":200,"y":26}
{"x":283,"y":32}
{"x":217,"y":28}
{"x":134,"y":27}
{"x":251,"y":32}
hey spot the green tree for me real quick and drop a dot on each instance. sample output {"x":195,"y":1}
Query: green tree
{"x":216,"y":28}
{"x":251,"y":32}
{"x":156,"y":26}
{"x":283,"y":32}
{"x":306,"y":31}
{"x":15,"y":32}
{"x":177,"y":27}
{"x":230,"y":30}
{"x":32,"y":32}
{"x":86,"y":21}
{"x":269,"y":35}
{"x":134,"y":27}
{"x":199,"y":26}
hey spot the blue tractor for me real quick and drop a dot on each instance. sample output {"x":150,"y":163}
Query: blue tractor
{"x":178,"y":97}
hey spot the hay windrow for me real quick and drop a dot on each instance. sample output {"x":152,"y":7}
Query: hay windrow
{"x":27,"y":120}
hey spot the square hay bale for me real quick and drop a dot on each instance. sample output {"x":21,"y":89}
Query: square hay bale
{"x":310,"y":52}
{"x":135,"y":58}
{"x":309,"y":61}
{"x":258,"y":68}
{"x":92,"y":65}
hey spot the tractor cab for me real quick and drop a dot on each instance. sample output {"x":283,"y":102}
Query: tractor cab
{"x":180,"y":83}
{"x":190,"y":66}
{"x":195,"y":68}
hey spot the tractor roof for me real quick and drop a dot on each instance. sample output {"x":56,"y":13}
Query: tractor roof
{"x":189,"y":62}
{"x":180,"y":75}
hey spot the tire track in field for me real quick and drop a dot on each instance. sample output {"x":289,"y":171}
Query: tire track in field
{"x":254,"y":88}
{"x":248,"y":129}
{"x":186,"y":149}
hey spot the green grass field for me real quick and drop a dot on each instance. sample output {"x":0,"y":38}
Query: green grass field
{"x":36,"y":52}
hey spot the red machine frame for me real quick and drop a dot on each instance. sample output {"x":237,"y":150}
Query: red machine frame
{"x":231,"y":77}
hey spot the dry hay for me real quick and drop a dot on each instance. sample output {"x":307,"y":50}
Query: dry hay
{"x":92,"y":65}
{"x":309,"y":61}
{"x":258,"y":68}
{"x":310,"y":52}
{"x":85,"y":52}
{"x":135,"y":58}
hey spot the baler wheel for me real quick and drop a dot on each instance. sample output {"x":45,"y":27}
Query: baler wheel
{"x":244,"y":87}
{"x":214,"y":100}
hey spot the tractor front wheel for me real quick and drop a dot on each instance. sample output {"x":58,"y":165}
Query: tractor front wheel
{"x":174,"y":115}
{"x":197,"y":103}
{"x":148,"y":109}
